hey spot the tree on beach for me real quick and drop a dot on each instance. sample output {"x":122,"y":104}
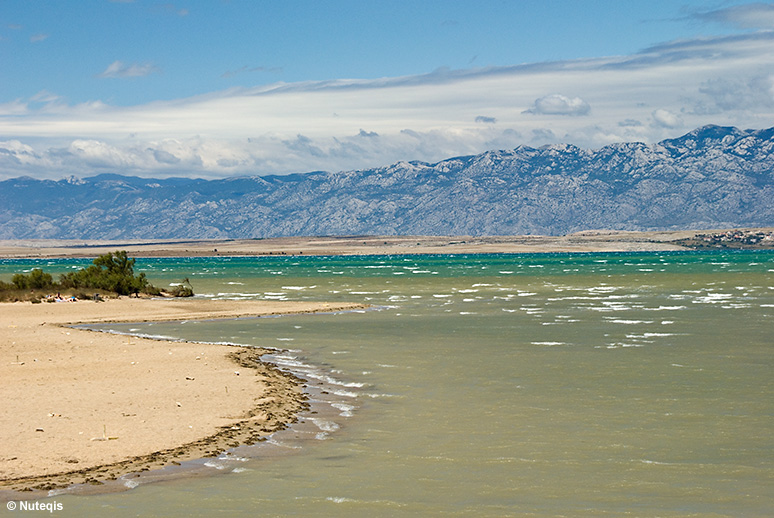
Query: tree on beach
{"x":110,"y":272}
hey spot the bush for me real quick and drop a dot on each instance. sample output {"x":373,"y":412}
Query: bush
{"x":110,"y":272}
{"x":36,"y":280}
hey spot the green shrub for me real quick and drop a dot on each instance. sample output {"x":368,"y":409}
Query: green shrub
{"x":110,"y":272}
{"x":36,"y":280}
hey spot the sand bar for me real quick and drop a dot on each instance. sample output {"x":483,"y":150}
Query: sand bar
{"x":350,"y":245}
{"x":82,"y":406}
{"x":586,"y":241}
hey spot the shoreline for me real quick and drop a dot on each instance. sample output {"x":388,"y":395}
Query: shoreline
{"x":86,"y":415}
{"x":585,"y":241}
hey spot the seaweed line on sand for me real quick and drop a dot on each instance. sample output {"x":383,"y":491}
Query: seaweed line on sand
{"x":255,"y":425}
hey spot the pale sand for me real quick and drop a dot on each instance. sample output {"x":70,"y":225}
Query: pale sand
{"x":353,"y":245}
{"x":61,"y":388}
{"x":587,"y":241}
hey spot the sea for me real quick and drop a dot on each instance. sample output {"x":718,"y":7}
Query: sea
{"x":496,"y":385}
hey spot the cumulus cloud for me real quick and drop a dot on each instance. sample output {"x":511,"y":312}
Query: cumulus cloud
{"x":164,"y":157}
{"x":119,"y":69}
{"x":485,"y":120}
{"x":557,"y":104}
{"x":666,"y":119}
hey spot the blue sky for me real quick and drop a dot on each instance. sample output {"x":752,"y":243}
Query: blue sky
{"x":222,"y":88}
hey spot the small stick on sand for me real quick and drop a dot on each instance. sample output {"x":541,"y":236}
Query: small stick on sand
{"x":104,"y":435}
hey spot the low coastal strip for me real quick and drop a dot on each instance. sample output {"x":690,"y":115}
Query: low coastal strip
{"x":84,"y":407}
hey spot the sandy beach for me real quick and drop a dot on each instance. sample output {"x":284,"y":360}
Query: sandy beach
{"x":82,"y":406}
{"x":586,"y":241}
{"x":589,"y":241}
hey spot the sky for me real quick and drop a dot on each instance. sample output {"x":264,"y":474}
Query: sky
{"x":222,"y":88}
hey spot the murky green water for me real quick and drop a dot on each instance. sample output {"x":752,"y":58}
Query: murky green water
{"x":504,"y":385}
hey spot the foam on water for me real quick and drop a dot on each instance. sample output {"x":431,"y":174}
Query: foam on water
{"x":441,"y":399}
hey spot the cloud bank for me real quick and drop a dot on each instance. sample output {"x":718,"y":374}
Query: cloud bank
{"x":351,"y":124}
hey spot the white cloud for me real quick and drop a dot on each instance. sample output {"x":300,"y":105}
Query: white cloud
{"x":557,"y":104}
{"x":666,"y":119}
{"x":730,"y":93}
{"x":350,"y":124}
{"x":746,"y":16}
{"x":121,"y":69}
{"x":35,"y":38}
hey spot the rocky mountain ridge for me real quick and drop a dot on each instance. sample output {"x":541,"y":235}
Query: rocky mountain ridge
{"x":712,"y":177}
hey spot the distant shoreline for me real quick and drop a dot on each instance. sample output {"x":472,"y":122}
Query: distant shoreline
{"x":586,"y":241}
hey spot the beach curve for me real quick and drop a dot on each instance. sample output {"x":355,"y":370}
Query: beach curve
{"x":82,"y":407}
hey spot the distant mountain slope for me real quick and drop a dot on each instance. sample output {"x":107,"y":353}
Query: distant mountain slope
{"x":711,"y":177}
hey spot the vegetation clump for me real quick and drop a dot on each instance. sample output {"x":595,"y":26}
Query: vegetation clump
{"x":109,"y":272}
{"x":112,"y":273}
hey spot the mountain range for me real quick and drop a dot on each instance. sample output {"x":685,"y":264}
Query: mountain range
{"x":712,"y":177}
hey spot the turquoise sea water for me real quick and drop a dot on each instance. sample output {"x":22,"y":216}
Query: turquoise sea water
{"x":619,"y":384}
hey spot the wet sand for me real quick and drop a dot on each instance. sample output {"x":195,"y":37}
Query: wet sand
{"x":85,"y":407}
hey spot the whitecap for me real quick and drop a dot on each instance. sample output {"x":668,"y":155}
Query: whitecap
{"x":602,"y":289}
{"x":346,"y":410}
{"x":339,"y":499}
{"x":345,"y":393}
{"x":665,"y":308}
{"x":325,"y":425}
{"x":712,"y":298}
{"x":272,"y":440}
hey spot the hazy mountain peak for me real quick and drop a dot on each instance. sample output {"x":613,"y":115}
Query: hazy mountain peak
{"x":711,"y":177}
